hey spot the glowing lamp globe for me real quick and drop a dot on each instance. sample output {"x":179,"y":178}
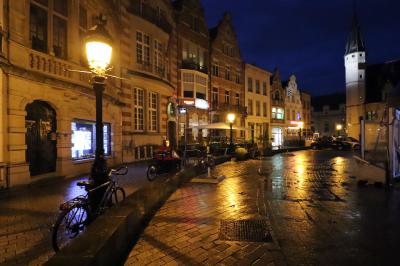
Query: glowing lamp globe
{"x":231,"y":117}
{"x":98,"y":44}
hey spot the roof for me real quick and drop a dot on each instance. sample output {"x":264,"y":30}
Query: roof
{"x":332,"y":100}
{"x":379,"y":77}
{"x":355,"y":41}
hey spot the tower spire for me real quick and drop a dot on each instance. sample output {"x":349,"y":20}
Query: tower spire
{"x":355,"y":42}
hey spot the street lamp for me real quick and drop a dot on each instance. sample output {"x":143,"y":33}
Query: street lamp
{"x":98,"y":46}
{"x":231,"y":118}
{"x":339,"y":127}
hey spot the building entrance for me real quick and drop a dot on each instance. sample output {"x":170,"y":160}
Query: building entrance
{"x":277,"y":137}
{"x":41,"y":138}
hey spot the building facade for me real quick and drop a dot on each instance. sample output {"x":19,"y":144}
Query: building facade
{"x":48,"y":108}
{"x":294,"y":111}
{"x":367,"y":90}
{"x":306,"y":114}
{"x":193,"y":70}
{"x":227,"y":84}
{"x":149,"y":69}
{"x":329,"y":115}
{"x":257,"y":100}
{"x":278,"y":96}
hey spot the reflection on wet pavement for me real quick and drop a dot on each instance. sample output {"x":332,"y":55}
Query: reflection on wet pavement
{"x":321,"y":217}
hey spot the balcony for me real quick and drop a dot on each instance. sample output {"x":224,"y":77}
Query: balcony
{"x":150,"y":14}
{"x":224,"y":107}
{"x":186,"y":64}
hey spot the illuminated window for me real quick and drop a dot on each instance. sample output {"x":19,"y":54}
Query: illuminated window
{"x":83,"y":139}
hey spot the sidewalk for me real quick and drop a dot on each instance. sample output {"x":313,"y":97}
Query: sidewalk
{"x":185,"y":231}
{"x":27,"y":214}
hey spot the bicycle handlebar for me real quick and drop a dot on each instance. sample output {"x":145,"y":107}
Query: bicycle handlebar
{"x":118,"y":170}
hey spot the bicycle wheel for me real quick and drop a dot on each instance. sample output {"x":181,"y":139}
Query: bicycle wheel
{"x":118,"y":195}
{"x":151,"y":172}
{"x":69,"y":224}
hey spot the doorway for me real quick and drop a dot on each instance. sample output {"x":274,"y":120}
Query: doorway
{"x":41,"y":138}
{"x":277,"y":139}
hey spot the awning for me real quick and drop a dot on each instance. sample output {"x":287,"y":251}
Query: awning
{"x":220,"y":125}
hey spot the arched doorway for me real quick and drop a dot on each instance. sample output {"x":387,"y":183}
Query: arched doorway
{"x":40,"y":138}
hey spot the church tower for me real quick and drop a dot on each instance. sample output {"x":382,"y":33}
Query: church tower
{"x":355,"y":65}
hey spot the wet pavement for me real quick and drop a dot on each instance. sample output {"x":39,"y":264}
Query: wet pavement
{"x":27,"y":214}
{"x":309,"y":200}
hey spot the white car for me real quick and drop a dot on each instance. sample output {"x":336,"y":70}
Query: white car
{"x":355,"y":144}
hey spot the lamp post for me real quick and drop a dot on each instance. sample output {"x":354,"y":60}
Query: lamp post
{"x":231,"y":118}
{"x":339,"y":127}
{"x":98,"y":51}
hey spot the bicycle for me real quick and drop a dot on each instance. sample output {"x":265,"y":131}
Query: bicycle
{"x":76,"y":214}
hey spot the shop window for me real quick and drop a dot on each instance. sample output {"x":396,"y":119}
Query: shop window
{"x":84,"y":139}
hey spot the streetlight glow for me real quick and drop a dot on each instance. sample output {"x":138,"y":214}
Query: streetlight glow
{"x":98,"y":45}
{"x":231,"y":117}
{"x":98,"y":56}
{"x":339,"y":127}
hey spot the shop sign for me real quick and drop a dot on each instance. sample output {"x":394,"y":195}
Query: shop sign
{"x":182,"y":110}
{"x":296,"y":124}
{"x":201,"y":104}
{"x":188,"y":102}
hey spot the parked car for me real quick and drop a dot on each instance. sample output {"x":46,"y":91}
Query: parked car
{"x":355,"y":144}
{"x":329,"y":142}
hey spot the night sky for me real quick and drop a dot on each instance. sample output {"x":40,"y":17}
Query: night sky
{"x":308,"y":37}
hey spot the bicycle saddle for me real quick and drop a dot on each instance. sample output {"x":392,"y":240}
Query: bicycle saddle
{"x":86,"y":183}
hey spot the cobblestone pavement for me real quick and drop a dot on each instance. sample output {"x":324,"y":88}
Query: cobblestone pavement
{"x":316,"y":213}
{"x":27,"y":213}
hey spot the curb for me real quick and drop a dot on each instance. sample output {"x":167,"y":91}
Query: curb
{"x":111,"y":236}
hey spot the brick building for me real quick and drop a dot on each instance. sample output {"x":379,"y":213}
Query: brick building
{"x":227,"y":86}
{"x":193,"y":69}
